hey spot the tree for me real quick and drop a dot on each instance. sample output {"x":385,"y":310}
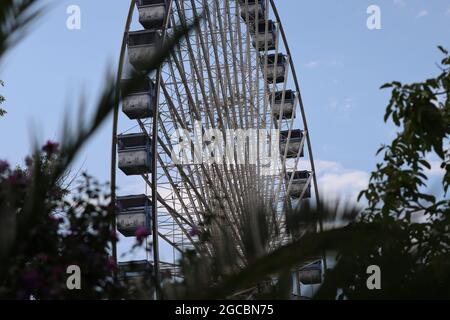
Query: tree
{"x":417,"y":263}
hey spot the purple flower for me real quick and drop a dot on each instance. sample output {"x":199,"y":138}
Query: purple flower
{"x":17,"y":178}
{"x":141,"y":234}
{"x":55,"y":219}
{"x":57,"y":272}
{"x":111,"y":265}
{"x":195,"y":231}
{"x":29,"y":161}
{"x":42,"y":257}
{"x":4,"y":165}
{"x":50,"y":148}
{"x":31,"y":279}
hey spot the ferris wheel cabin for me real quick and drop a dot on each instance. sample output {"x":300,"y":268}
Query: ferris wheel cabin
{"x":294,"y":145}
{"x":276,"y":67}
{"x":142,"y":47}
{"x":283,"y":108}
{"x":133,"y":212}
{"x":311,"y":274}
{"x":137,"y":275}
{"x":252,"y":9}
{"x":152,"y":13}
{"x":140,"y":98}
{"x":135,"y":268}
{"x":134,"y":154}
{"x":300,"y":184}
{"x":260,"y":37}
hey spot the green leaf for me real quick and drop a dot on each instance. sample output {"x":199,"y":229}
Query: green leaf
{"x":443,"y":50}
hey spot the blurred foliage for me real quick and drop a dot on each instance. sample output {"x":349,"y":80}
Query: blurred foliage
{"x":67,"y":230}
{"x":263,"y":270}
{"x":43,"y":228}
{"x":2,"y":100}
{"x":16,"y":16}
{"x":417,"y":263}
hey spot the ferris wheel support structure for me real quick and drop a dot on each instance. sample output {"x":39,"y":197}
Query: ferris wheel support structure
{"x":236,"y":83}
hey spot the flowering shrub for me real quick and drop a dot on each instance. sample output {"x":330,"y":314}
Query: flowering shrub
{"x":70,"y":229}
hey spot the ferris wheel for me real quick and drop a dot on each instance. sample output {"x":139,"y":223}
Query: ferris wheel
{"x":219,"y":127}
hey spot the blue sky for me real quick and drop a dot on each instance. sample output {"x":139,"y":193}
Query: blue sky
{"x":340,"y":63}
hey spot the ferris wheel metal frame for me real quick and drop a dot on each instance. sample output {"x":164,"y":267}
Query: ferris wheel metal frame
{"x":191,"y":196}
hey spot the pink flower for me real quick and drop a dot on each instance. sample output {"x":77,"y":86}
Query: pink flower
{"x":141,"y":234}
{"x":50,"y":148}
{"x":4,"y":165}
{"x":111,"y":264}
{"x":17,"y":178}
{"x":114,"y":236}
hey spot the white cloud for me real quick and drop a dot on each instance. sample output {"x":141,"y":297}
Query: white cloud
{"x":337,"y":182}
{"x":422,"y":13}
{"x":312,"y":64}
{"x":333,"y":63}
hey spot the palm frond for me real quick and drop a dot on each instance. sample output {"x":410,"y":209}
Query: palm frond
{"x":16,"y":16}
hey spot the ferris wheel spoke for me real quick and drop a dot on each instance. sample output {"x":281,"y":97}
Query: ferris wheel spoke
{"x":202,"y":199}
{"x":222,"y":126}
{"x":233,"y":90}
{"x":172,"y":243}
{"x":200,"y":204}
{"x":172,"y":108}
{"x":241,"y":99}
{"x":233,"y":183}
{"x":246,"y":99}
{"x":176,"y":217}
{"x":248,"y":104}
{"x":174,"y":189}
